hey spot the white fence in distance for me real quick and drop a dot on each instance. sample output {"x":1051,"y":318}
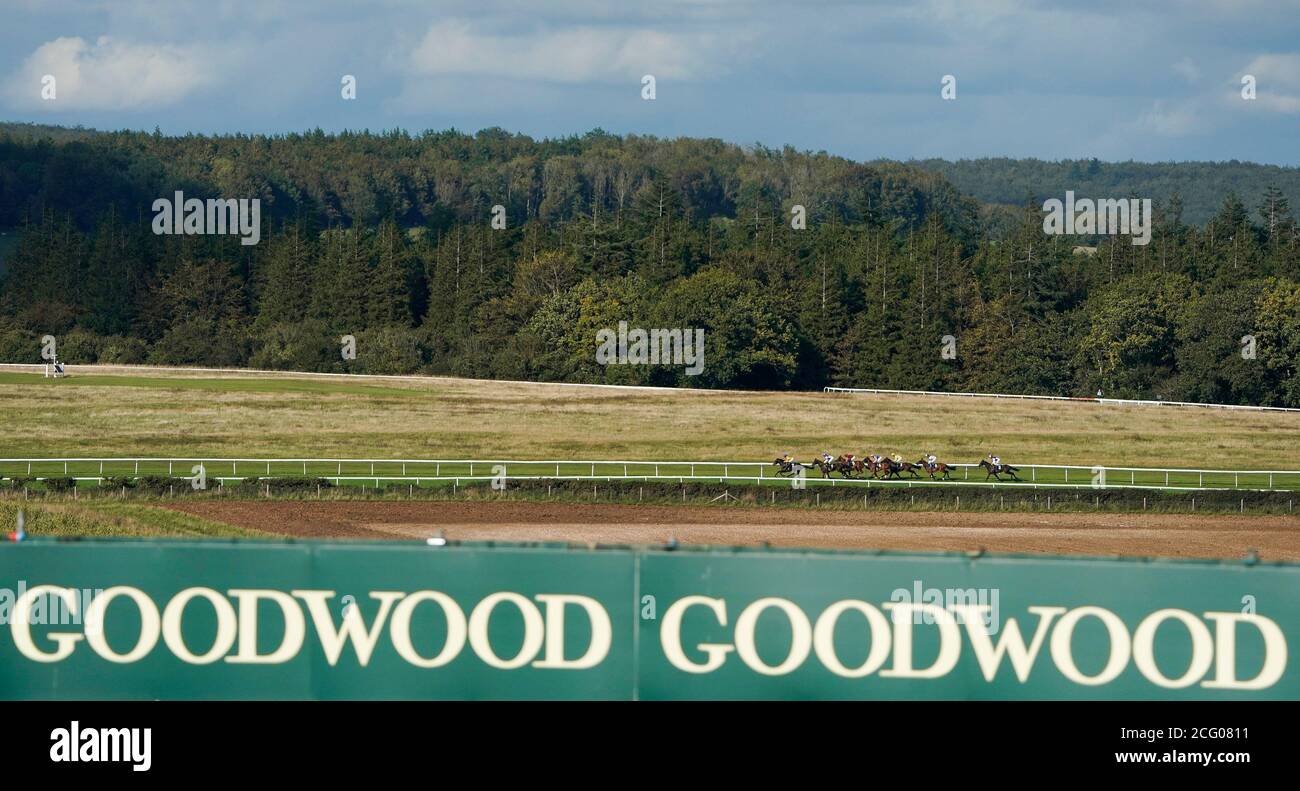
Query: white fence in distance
{"x":1082,"y":399}
{"x":432,"y":470}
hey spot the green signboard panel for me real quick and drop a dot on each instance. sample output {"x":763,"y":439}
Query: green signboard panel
{"x":322,"y":620}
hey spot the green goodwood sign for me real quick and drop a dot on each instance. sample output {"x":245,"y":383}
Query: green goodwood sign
{"x":173,"y":620}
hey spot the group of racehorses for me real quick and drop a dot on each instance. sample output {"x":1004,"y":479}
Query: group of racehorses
{"x":884,"y":467}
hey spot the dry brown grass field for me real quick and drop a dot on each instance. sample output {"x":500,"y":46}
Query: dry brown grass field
{"x":102,"y":411}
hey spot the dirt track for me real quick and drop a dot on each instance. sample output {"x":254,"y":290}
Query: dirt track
{"x":1158,"y":535}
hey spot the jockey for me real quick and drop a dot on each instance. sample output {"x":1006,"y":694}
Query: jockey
{"x":828,"y":458}
{"x":848,"y":457}
{"x":787,"y":458}
{"x":897,"y":458}
{"x":931,"y":459}
{"x":995,"y":460}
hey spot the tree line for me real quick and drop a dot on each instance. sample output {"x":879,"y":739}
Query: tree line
{"x":897,"y":280}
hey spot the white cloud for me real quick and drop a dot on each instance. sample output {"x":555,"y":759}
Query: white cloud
{"x":1173,"y":118}
{"x":571,"y":55}
{"x":1277,"y":82}
{"x":1187,"y":69}
{"x":108,"y":75}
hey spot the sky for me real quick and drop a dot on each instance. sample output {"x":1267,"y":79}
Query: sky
{"x":1148,"y":81}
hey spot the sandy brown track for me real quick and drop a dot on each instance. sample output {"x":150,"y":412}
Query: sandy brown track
{"x":1155,"y":535}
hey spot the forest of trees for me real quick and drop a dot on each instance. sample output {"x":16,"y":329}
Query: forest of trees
{"x":386,"y":237}
{"x":1200,"y":186}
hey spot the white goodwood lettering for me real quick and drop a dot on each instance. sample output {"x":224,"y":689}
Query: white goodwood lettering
{"x":295,"y":629}
{"x":670,"y":635}
{"x":234,"y":631}
{"x":800,"y":640}
{"x":1062,"y":646}
{"x":1144,"y":651}
{"x":401,"y":629}
{"x":20,"y":624}
{"x":1056,"y":628}
{"x":824,"y":638}
{"x":478,"y":630}
{"x":150,"y":625}
{"x":602,"y":632}
{"x":949,"y":641}
{"x":1225,"y":650}
{"x":354,"y":628}
{"x":1011,"y":644}
{"x":237,"y":627}
{"x":226,"y":626}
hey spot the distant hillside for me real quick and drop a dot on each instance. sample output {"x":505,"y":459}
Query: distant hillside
{"x":435,"y":179}
{"x":1202,"y":186}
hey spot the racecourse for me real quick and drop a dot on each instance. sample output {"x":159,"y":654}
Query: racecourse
{"x":406,"y":433}
{"x":110,"y":412}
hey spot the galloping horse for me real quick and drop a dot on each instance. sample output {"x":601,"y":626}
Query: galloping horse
{"x":893,"y":468}
{"x":995,"y":471}
{"x":938,"y":466}
{"x":788,"y":468}
{"x":827,"y":467}
{"x":848,"y":467}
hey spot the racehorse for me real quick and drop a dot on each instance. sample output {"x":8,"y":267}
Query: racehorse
{"x":938,"y":466}
{"x":846,"y":467}
{"x":789,"y":468}
{"x":827,"y":467}
{"x":995,"y":471}
{"x":873,"y":467}
{"x":893,"y":468}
